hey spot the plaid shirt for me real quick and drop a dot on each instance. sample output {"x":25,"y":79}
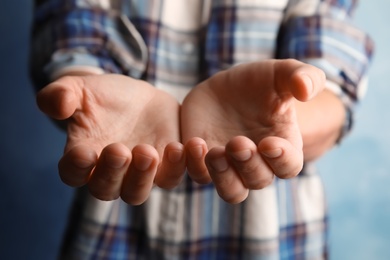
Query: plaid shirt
{"x":174,"y":44}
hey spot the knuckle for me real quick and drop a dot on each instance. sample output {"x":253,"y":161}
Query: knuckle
{"x":288,"y":172}
{"x":286,"y":168}
{"x":256,"y":176}
{"x":261,"y":182}
{"x":247,"y":168}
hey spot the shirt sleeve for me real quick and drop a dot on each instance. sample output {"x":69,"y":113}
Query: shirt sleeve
{"x":321,"y":33}
{"x":92,"y":35}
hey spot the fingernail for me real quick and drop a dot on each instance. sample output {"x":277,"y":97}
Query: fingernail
{"x":142,"y":162}
{"x":242,"y":155}
{"x":219,"y":164}
{"x":175,"y":156}
{"x":115,"y":162}
{"x":197,"y":151}
{"x":309,"y":83}
{"x":273,"y":153}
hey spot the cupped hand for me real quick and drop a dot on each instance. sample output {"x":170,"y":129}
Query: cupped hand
{"x":122,"y":135}
{"x":240,"y":127}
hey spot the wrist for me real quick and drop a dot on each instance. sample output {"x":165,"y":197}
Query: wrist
{"x":321,"y":121}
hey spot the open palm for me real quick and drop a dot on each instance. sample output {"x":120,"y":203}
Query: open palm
{"x":118,"y":128}
{"x":246,"y":117}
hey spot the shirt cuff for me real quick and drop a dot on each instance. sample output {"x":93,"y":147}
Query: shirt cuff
{"x":348,"y":122}
{"x":76,"y":69}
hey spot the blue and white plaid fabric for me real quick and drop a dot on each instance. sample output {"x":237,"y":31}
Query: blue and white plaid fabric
{"x":175,"y":44}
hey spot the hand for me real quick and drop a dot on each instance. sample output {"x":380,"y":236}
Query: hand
{"x":118,"y":129}
{"x":246,"y":116}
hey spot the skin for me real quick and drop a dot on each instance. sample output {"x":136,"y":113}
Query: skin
{"x":257,"y":121}
{"x":239,"y":128}
{"x":118,"y":128}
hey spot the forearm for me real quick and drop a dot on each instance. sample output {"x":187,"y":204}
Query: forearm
{"x":316,"y":33}
{"x":321,"y":121}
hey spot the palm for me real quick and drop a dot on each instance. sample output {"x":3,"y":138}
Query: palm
{"x":247,"y":117}
{"x":118,"y":109}
{"x":119,"y":132}
{"x":243,"y":101}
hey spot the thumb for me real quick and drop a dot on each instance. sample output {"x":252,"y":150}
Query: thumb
{"x":302,"y":80}
{"x":58,"y":99}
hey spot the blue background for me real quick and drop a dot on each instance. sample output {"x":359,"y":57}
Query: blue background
{"x":34,"y":203}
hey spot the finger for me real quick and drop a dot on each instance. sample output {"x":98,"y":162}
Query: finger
{"x":196,"y":149}
{"x":227,"y":183}
{"x":138,"y":180}
{"x":76,"y":165}
{"x":59,"y":100}
{"x":251,"y":167}
{"x":302,"y":80}
{"x":172,"y":168}
{"x":106,"y":180}
{"x":285,"y":160}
